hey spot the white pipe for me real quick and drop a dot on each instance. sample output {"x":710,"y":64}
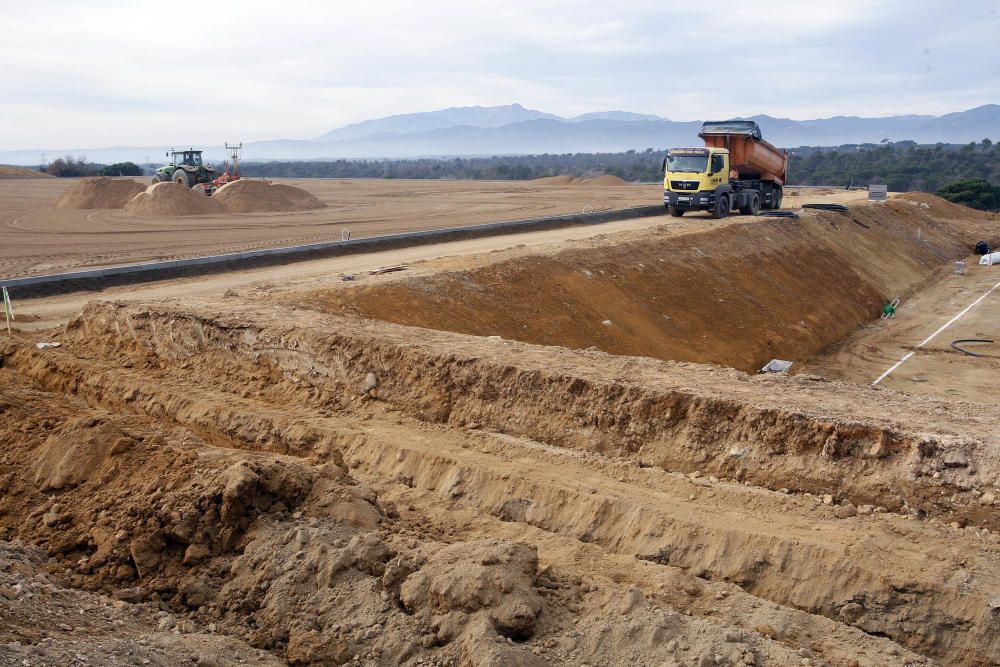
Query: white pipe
{"x":933,"y":335}
{"x":990,"y":259}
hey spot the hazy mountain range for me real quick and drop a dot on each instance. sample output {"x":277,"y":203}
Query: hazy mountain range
{"x":513,"y":129}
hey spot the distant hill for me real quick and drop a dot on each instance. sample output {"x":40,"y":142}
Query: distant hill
{"x":435,"y":120}
{"x":515,"y":130}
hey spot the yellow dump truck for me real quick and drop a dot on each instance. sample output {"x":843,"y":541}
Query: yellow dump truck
{"x":735,"y":170}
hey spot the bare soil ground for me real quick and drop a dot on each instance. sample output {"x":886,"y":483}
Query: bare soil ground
{"x":936,"y":369}
{"x":285,"y":462}
{"x":41,"y":239}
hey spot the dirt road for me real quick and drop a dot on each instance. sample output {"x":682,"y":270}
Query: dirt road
{"x":51,"y":311}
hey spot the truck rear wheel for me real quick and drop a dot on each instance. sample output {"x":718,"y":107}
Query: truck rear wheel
{"x":721,"y":207}
{"x":776,"y":199}
{"x":753,"y":205}
{"x":676,"y":212}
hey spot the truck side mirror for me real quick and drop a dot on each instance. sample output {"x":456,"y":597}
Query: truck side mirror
{"x":663,"y":166}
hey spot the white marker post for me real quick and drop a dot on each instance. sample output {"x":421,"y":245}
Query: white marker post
{"x":8,"y":310}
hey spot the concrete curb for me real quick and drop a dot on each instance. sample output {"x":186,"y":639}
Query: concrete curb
{"x":96,"y":279}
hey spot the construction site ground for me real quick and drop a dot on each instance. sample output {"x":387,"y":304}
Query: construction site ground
{"x":545,"y":448}
{"x":936,"y":369}
{"x":41,"y":239}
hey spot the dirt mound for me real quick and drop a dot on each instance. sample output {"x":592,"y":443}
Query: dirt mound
{"x":102,"y":192}
{"x":247,"y":196}
{"x":168,"y":200}
{"x":724,"y":296}
{"x":554,"y":180}
{"x":942,"y":208}
{"x":21,"y":172}
{"x":488,"y":576}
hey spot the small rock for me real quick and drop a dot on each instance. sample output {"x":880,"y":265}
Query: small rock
{"x":370,"y":383}
{"x":695,"y":475}
{"x":846,"y":511}
{"x":827,"y":499}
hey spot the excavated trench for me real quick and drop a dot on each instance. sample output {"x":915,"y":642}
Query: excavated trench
{"x":769,"y":503}
{"x":736,"y":295}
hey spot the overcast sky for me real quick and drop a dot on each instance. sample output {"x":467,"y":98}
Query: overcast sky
{"x":86,"y":74}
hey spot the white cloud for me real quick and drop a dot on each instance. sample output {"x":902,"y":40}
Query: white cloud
{"x":116,"y":73}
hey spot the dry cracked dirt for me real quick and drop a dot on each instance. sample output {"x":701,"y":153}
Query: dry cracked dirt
{"x":533,"y":457}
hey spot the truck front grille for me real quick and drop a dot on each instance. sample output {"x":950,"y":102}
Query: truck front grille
{"x":683,"y":185}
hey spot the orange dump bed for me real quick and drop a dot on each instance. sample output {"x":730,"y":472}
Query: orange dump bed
{"x":749,"y":155}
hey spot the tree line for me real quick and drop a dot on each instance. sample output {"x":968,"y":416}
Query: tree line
{"x":76,"y":167}
{"x":901,"y":165}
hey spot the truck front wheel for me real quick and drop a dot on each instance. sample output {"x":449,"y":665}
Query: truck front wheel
{"x":676,"y":212}
{"x":721,"y":207}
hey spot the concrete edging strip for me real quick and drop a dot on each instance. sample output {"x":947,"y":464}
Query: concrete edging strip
{"x":93,"y":279}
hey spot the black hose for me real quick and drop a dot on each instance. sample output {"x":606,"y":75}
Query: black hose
{"x":827,"y":207}
{"x":954,"y":345}
{"x":778,"y":214}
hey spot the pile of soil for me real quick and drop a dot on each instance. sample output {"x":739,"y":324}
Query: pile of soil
{"x":168,"y":200}
{"x":606,"y":179}
{"x":103,"y":192}
{"x":554,"y":180}
{"x":247,"y":196}
{"x":21,"y":172}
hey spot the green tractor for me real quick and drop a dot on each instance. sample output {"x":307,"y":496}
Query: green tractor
{"x":186,"y":168}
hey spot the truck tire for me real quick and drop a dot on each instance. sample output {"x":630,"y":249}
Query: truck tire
{"x":753,"y":207}
{"x":676,"y":212}
{"x":776,"y":199}
{"x":181,"y":177}
{"x":721,"y":207}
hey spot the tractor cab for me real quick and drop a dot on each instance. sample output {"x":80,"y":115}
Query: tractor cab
{"x":190,"y":158}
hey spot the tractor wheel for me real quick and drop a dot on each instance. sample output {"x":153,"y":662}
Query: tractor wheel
{"x":156,"y":179}
{"x":181,"y":177}
{"x":721,"y":207}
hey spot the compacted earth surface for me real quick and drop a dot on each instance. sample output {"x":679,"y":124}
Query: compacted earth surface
{"x":549,"y":452}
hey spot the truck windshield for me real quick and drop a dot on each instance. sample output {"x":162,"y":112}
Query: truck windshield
{"x":695,"y":164}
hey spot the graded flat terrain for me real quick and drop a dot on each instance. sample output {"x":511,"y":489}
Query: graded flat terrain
{"x":40,"y":239}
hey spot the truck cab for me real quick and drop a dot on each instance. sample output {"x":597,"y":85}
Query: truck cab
{"x":735,"y":170}
{"x":693,"y":178}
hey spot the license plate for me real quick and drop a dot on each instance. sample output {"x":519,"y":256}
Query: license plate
{"x":684,"y":199}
